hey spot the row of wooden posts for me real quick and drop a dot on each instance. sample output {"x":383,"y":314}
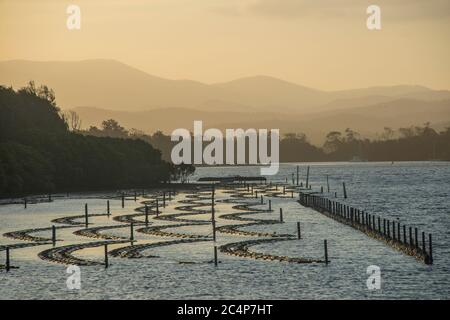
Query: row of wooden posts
{"x":401,"y":236}
{"x":213,"y":220}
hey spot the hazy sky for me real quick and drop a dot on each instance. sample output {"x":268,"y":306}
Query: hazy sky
{"x":318,"y":43}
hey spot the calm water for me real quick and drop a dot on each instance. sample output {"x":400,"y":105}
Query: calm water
{"x":415,"y":193}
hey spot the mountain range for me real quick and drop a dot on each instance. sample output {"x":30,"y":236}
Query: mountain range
{"x":101,"y":89}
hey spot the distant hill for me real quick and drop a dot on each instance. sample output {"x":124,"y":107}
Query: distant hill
{"x":367,"y":120}
{"x":103,"y":89}
{"x":116,"y":86}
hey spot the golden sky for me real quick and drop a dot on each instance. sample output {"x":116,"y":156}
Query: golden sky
{"x":318,"y":43}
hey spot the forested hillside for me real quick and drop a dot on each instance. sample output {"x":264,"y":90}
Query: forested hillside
{"x":38,"y":152}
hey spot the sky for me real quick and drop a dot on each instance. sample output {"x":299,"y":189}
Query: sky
{"x":323,"y":44}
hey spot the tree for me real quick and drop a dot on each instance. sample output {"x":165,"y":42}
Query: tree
{"x":72,"y":119}
{"x":333,"y":141}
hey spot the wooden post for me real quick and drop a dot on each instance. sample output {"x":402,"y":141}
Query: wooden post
{"x":256,"y":194}
{"x":281,"y":214}
{"x":292,"y":194}
{"x":328,"y":185}
{"x":135,"y":196}
{"x":299,"y":234}
{"x":106,"y":257}
{"x":8,"y":262}
{"x":416,"y":237}
{"x":307,"y":177}
{"x":325,"y":247}
{"x":321,"y":189}
{"x":423,"y":242}
{"x":298,"y":174}
{"x":270,"y":205}
{"x":49,"y":198}
{"x":146,"y":215}
{"x":284,"y":189}
{"x":293,"y":179}
{"x":108,"y":211}
{"x":123,"y":200}
{"x":86,"y":218}
{"x":404,"y":234}
{"x":53,"y":235}
{"x":345,"y":190}
{"x":25,"y":203}
{"x":215,"y":256}
{"x":399,"y":238}
{"x":131,"y":233}
{"x":262,"y":201}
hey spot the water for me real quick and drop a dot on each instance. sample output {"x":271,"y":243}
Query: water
{"x":415,"y":193}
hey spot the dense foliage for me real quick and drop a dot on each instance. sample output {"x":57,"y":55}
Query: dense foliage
{"x":38,"y":152}
{"x":416,"y":143}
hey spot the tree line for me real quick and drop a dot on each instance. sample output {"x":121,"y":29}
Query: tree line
{"x":40,"y":152}
{"x":415,"y":143}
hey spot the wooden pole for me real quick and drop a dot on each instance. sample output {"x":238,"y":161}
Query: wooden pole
{"x":106,"y":257}
{"x":281,"y":214}
{"x":299,"y":234}
{"x":404,"y":234}
{"x":325,"y":247}
{"x":328,"y":185}
{"x":53,"y":235}
{"x":215,"y":256}
{"x":164,"y":199}
{"x":307,"y":177}
{"x":135,"y":196}
{"x":123,"y":200}
{"x":25,"y":203}
{"x":8,"y":262}
{"x":146,"y":215}
{"x":298,"y":174}
{"x":423,"y":242}
{"x":86,"y":218}
{"x":108,"y":211}
{"x":131,"y":233}
{"x":416,"y":237}
{"x":49,"y":198}
{"x":262,"y":201}
{"x":345,"y":190}
{"x":270,"y":205}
